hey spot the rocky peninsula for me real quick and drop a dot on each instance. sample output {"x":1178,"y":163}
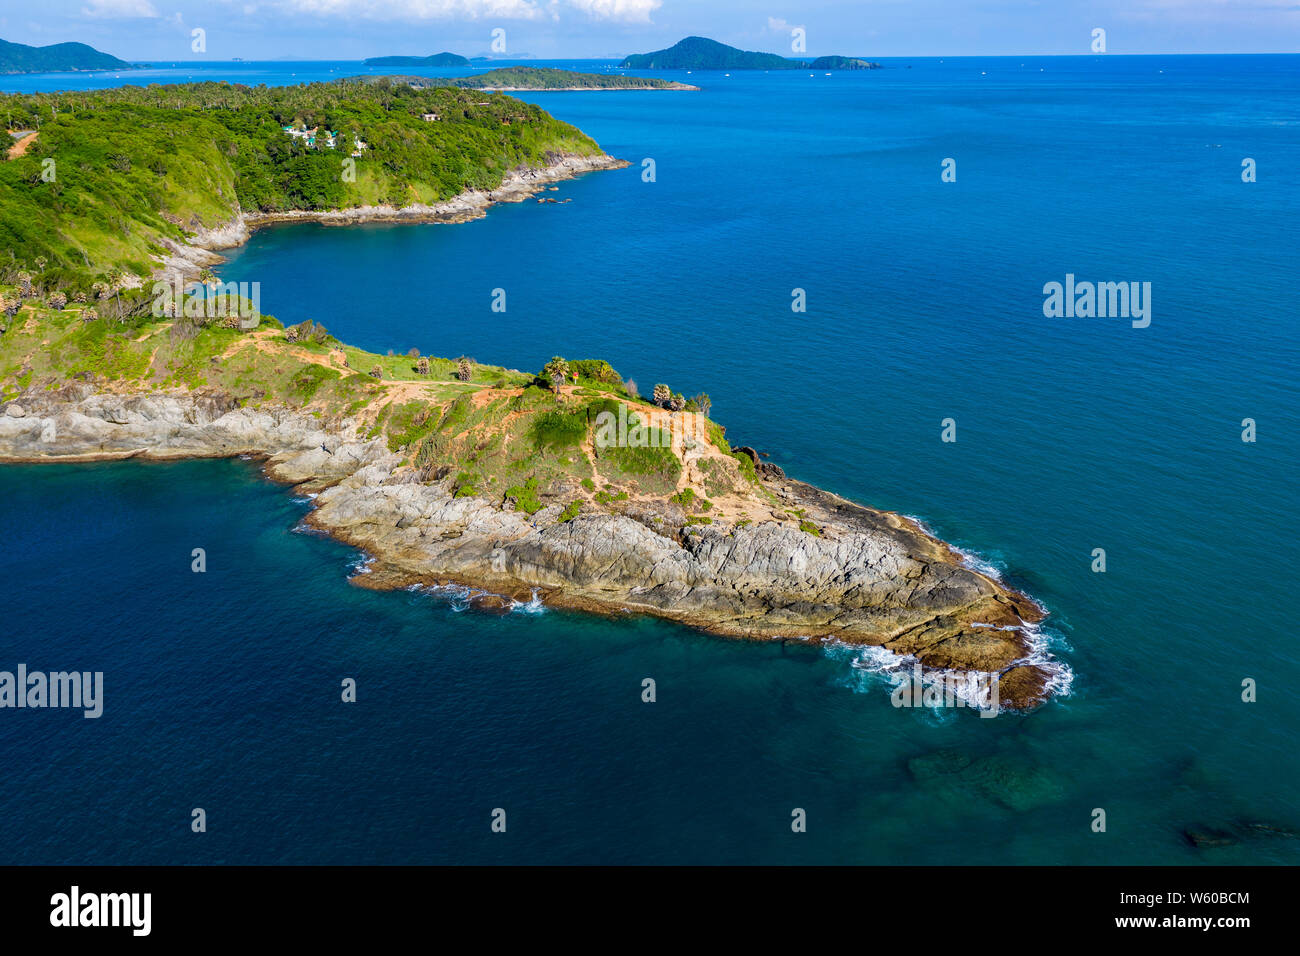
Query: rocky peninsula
{"x":781,"y":560}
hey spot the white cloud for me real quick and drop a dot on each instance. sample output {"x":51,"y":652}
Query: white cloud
{"x":419,"y":9}
{"x":629,"y":11}
{"x":120,"y":10}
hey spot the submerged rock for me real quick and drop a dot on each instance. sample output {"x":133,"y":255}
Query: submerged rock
{"x":1208,"y":837}
{"x":940,"y":763}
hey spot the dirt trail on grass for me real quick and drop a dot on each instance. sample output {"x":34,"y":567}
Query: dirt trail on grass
{"x":20,"y":147}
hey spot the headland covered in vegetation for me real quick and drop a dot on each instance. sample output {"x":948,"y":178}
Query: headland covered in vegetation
{"x":570,"y":484}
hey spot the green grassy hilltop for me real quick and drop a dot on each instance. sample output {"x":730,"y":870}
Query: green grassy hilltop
{"x":496,"y":432}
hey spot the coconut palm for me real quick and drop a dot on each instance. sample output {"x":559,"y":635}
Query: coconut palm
{"x":556,"y":371}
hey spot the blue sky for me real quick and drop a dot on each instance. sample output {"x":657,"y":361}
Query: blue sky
{"x":354,"y":29}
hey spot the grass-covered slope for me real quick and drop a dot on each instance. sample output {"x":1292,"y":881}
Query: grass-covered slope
{"x":112,"y":172}
{"x":497,"y":433}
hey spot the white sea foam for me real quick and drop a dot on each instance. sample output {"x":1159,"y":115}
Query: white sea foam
{"x":879,"y":667}
{"x":531,"y":606}
{"x":976,"y":562}
{"x":459,"y":597}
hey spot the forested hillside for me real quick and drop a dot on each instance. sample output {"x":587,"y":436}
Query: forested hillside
{"x":111,"y":172}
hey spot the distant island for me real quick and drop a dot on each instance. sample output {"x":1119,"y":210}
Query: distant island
{"x":437,"y":59}
{"x":57,"y":58}
{"x":701,"y":53}
{"x":842,"y":63}
{"x":512,"y":79}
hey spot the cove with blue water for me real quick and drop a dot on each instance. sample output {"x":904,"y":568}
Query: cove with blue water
{"x":925,"y":303}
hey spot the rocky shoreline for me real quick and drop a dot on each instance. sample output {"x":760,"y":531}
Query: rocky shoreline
{"x":869,"y":578}
{"x":187,"y":260}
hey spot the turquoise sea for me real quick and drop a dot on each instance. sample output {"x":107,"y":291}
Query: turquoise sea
{"x":925,"y":302}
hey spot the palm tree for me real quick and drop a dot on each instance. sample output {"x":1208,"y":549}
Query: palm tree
{"x":703,"y":403}
{"x":464,"y":368}
{"x":677,"y":403}
{"x":662,"y":395}
{"x":422,"y":366}
{"x":556,"y":371}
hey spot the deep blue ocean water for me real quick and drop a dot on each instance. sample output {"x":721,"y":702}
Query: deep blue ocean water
{"x":924,"y":303}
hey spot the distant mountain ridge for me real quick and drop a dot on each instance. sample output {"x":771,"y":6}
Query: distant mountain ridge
{"x":437,"y":59}
{"x":701,"y":53}
{"x":56,"y":58}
